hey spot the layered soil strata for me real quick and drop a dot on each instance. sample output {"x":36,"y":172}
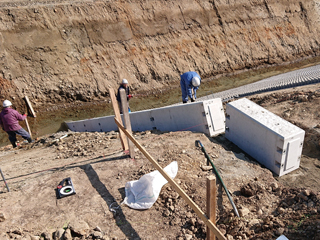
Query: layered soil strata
{"x":57,"y":51}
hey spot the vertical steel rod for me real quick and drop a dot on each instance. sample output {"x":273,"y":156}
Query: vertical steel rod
{"x":4,"y":180}
{"x":220,"y":179}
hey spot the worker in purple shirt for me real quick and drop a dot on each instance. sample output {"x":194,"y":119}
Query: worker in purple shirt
{"x":190,"y":82}
{"x":9,"y":121}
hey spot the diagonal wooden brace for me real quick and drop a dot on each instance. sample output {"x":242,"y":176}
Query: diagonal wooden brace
{"x":192,"y":204}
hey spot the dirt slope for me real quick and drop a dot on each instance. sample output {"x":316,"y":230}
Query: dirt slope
{"x":65,"y":50}
{"x":269,"y":206}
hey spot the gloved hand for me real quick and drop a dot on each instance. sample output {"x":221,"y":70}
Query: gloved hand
{"x":130,"y":96}
{"x":25,"y":115}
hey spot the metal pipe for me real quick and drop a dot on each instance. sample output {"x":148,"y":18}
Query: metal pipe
{"x":4,"y":180}
{"x":218,"y":175}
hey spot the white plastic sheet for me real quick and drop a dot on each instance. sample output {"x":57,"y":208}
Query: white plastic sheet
{"x":143,"y":193}
{"x":282,"y":237}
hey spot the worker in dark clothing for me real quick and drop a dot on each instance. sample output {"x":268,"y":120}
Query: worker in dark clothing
{"x":124,"y":85}
{"x":9,"y":121}
{"x":190,"y":82}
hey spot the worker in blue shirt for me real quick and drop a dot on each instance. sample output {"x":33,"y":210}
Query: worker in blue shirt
{"x":190,"y":82}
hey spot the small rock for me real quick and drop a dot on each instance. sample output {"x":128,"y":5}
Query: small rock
{"x":171,"y":208}
{"x":35,"y":238}
{"x":260,"y":212}
{"x":2,"y":217}
{"x":247,"y":191}
{"x":279,"y":231}
{"x":193,"y":221}
{"x":97,"y":228}
{"x":286,"y":114}
{"x":17,"y":231}
{"x":302,"y":196}
{"x":310,"y":204}
{"x":206,"y":168}
{"x":253,"y":223}
{"x":46,"y":236}
{"x":67,"y":234}
{"x":97,"y":235}
{"x":280,"y":210}
{"x":188,"y":237}
{"x":79,"y":227}
{"x":229,"y":237}
{"x":166,"y":213}
{"x":306,"y":192}
{"x":189,"y":214}
{"x":313,"y":211}
{"x":60,"y":148}
{"x":58,"y":235}
{"x":274,"y":186}
{"x":244,"y":212}
{"x":25,"y":237}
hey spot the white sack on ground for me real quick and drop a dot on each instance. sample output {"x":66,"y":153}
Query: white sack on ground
{"x":143,"y":193}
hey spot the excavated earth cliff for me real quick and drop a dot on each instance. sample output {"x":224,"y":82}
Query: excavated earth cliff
{"x":57,"y":51}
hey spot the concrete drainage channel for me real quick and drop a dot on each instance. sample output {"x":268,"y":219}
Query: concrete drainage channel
{"x":295,"y":78}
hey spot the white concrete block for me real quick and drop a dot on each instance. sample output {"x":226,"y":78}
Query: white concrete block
{"x":206,"y":117}
{"x":272,"y":141}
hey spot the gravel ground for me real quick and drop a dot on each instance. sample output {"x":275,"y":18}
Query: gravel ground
{"x":295,"y":78}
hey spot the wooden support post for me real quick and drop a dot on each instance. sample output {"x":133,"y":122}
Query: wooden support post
{"x":126,"y":118}
{"x":211,"y":204}
{"x":195,"y":207}
{"x":26,"y":120}
{"x":123,"y":138}
{"x":30,"y":106}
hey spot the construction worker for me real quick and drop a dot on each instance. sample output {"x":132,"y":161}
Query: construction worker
{"x":190,"y":82}
{"x":9,"y":121}
{"x":124,"y":85}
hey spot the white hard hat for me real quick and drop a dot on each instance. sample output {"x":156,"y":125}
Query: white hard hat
{"x":195,"y":82}
{"x":124,"y":81}
{"x":6,"y":103}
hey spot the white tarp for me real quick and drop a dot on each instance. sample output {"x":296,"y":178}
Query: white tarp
{"x":143,"y":193}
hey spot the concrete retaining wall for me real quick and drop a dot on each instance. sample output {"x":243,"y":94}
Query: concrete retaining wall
{"x":206,"y":117}
{"x":271,"y":140}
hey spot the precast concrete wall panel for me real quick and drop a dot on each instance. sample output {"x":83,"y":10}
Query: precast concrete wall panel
{"x":272,"y":141}
{"x":206,"y":117}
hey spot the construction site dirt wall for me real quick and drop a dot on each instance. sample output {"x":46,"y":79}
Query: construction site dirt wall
{"x":55,"y":51}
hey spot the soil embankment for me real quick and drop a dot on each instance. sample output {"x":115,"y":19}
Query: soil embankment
{"x":56,"y":51}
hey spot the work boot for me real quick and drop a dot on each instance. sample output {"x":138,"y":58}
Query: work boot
{"x":30,"y":140}
{"x":14,"y":145}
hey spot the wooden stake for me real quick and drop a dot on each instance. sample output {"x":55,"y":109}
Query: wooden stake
{"x":126,"y":118}
{"x":123,"y":138}
{"x":211,"y":203}
{"x":30,"y":106}
{"x":195,"y":207}
{"x":26,"y":120}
